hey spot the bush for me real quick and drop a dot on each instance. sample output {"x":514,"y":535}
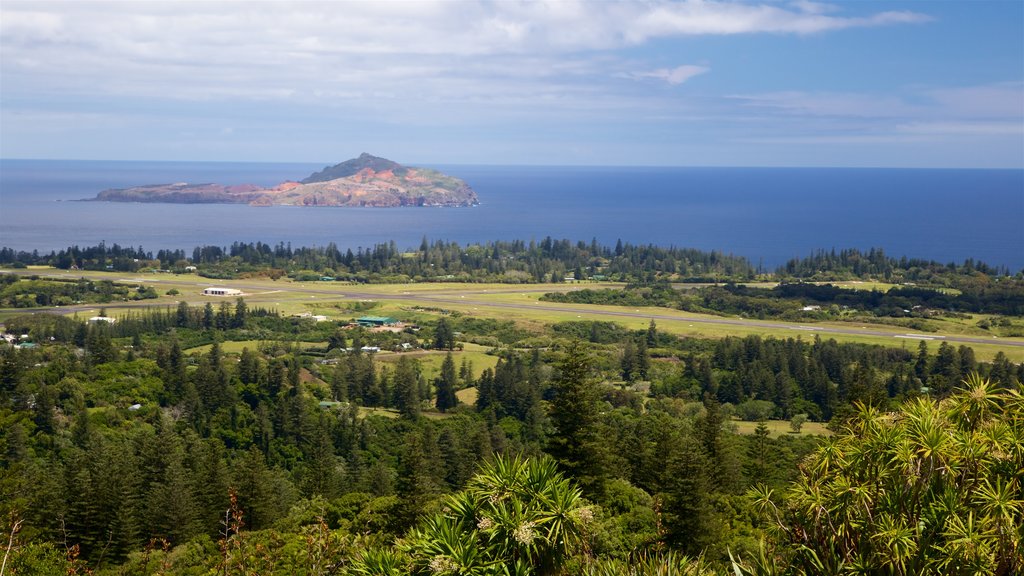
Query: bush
{"x":934,"y":489}
{"x":797,"y":423}
{"x":755,"y":410}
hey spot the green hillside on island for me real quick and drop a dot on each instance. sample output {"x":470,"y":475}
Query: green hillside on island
{"x":364,"y":181}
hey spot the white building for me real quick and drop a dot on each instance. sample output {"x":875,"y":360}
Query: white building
{"x":215,"y":291}
{"x":98,"y":319}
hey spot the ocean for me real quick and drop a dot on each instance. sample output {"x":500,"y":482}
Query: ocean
{"x":768,"y":215}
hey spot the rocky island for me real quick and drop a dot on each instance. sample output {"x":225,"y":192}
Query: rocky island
{"x":364,"y":181}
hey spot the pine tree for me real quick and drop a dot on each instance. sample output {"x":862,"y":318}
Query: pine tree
{"x":758,"y":467}
{"x":241,"y":314}
{"x":652,"y":334}
{"x":691,"y":522}
{"x":628,"y":361}
{"x":485,"y":396}
{"x":407,"y":397}
{"x":183,"y":318}
{"x":444,"y":336}
{"x":420,"y":473}
{"x":320,"y":466}
{"x":208,"y":316}
{"x":445,"y":385}
{"x":576,"y":442}
{"x":248,"y":367}
{"x":643,"y":360}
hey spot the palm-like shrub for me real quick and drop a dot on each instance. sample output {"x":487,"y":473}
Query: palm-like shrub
{"x":515,"y":517}
{"x":652,"y":564}
{"x":933,"y":489}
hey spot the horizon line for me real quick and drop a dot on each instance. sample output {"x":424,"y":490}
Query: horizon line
{"x":527,"y":165}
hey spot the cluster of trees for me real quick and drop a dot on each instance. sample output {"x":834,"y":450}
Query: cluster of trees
{"x":99,"y":257}
{"x":547,"y":260}
{"x":852,"y":263}
{"x":788,"y":300}
{"x":32,"y":292}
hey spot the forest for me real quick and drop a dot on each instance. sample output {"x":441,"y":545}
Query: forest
{"x":144,"y":447}
{"x":518,"y":261}
{"x":228,"y":437}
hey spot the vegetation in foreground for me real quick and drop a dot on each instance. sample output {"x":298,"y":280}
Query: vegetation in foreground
{"x":144,"y":447}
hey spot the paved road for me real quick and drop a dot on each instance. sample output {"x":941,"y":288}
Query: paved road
{"x":464,"y":297}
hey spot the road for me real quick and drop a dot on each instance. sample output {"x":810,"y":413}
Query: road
{"x":464,"y":297}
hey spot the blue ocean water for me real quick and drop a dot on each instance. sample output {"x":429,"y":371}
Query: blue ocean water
{"x":766,"y":214}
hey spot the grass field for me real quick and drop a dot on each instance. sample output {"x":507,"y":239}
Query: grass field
{"x":235,"y":347}
{"x":430,"y":360}
{"x":778,"y":428}
{"x":467,"y":395}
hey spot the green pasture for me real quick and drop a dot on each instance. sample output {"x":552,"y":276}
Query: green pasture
{"x":236,"y":347}
{"x":777,"y":428}
{"x":430,"y":360}
{"x":467,"y":395}
{"x":493,"y":301}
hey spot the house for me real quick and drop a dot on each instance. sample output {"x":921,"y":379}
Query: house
{"x":190,"y":268}
{"x":215,"y":291}
{"x":98,"y":319}
{"x":374,"y":321}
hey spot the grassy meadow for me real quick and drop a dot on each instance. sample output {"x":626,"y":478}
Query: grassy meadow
{"x":519,"y":303}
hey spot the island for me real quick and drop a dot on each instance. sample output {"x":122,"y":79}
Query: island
{"x":367,"y":181}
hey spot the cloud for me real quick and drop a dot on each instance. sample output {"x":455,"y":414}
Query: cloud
{"x":366,"y":53}
{"x":810,"y":7}
{"x":966,"y":118}
{"x":983,"y":102}
{"x":673,"y":76}
{"x":161,"y":32}
{"x":727,"y":18}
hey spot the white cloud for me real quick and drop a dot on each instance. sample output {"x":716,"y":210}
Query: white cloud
{"x":673,"y":76}
{"x":181,"y":49}
{"x":985,"y":102}
{"x":697,"y":17}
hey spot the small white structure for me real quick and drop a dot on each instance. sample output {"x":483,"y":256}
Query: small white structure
{"x":215,"y":291}
{"x":190,"y":268}
{"x":98,"y":319}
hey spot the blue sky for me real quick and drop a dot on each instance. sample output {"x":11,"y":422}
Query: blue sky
{"x":689,"y":83}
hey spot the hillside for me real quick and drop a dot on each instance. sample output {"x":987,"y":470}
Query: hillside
{"x":366,"y":181}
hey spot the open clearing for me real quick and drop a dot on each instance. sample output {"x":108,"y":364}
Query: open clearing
{"x":777,"y":428}
{"x":430,"y":360}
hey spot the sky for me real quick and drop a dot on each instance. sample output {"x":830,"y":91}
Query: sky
{"x":657,"y":82}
